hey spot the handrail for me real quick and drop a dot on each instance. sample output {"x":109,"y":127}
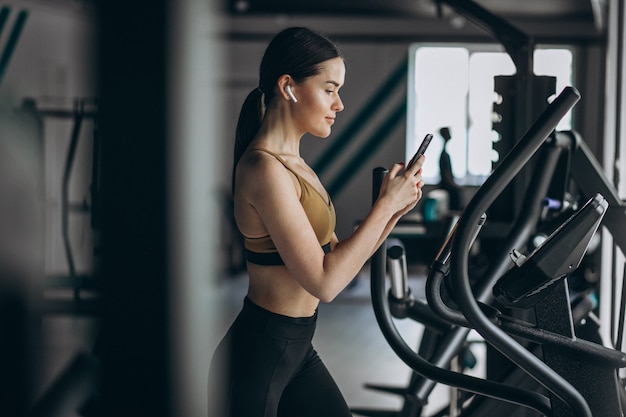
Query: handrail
{"x":484,"y":197}
{"x":468,"y":383}
{"x":518,"y":235}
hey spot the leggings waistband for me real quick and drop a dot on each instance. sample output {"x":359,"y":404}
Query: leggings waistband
{"x":277,"y":324}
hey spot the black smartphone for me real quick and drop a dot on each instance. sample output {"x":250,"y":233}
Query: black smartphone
{"x":420,"y":150}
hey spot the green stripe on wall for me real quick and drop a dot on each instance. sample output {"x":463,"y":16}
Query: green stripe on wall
{"x":4,"y":15}
{"x":378,"y":99}
{"x":12,"y":42}
{"x":369,"y":147}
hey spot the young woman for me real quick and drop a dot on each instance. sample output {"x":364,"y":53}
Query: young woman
{"x":287,"y":219}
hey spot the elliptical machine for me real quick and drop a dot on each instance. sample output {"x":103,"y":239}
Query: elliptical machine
{"x":561,"y":374}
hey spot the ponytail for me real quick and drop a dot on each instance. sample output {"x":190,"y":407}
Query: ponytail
{"x":247,"y":126}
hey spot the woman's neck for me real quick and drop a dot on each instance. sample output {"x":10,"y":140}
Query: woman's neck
{"x":278,"y":137}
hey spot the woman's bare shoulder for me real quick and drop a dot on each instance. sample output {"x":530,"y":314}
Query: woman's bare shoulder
{"x":258,"y":171}
{"x":255,"y":160}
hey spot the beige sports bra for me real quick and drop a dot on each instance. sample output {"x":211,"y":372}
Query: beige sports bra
{"x":319,"y":210}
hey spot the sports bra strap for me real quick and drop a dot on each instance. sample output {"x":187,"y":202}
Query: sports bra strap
{"x":280,"y":159}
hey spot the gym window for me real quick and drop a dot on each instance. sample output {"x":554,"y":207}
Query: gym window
{"x":453,"y":86}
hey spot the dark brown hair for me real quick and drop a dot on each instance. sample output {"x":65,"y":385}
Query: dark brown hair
{"x":296,"y":51}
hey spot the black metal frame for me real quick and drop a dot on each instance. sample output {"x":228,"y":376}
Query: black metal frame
{"x":557,"y":378}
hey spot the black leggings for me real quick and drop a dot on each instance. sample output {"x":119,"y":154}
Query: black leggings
{"x":271,"y":369}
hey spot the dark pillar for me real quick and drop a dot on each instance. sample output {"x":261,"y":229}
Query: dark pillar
{"x":132,"y":92}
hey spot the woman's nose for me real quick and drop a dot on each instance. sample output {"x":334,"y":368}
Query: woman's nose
{"x":338,"y":104}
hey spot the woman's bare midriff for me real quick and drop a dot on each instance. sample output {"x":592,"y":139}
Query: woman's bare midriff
{"x":275,"y":289}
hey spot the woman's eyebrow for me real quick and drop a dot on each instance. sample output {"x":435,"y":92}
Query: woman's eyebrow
{"x":335,"y":83}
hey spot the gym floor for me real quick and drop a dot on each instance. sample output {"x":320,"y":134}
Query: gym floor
{"x":348,"y":340}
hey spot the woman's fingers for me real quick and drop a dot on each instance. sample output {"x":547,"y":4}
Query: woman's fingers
{"x":404,"y":186}
{"x":417,"y":166}
{"x":395,"y":169}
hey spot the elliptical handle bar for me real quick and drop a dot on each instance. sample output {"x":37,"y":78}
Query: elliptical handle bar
{"x":484,"y":197}
{"x":468,"y":383}
{"x":549,"y":155}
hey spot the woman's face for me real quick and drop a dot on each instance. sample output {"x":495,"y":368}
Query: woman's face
{"x":318,"y":98}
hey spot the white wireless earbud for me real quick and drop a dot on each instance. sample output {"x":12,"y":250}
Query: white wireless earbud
{"x":290,"y":93}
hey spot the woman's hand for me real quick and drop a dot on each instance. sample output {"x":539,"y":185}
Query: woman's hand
{"x":401,"y":188}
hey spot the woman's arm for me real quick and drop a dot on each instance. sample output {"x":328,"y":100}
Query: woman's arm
{"x":271,"y":191}
{"x":392,"y":223}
